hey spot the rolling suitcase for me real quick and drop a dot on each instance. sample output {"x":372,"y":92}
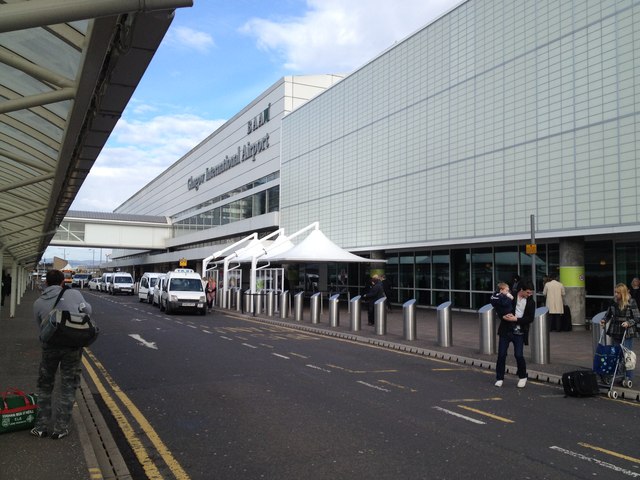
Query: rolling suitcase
{"x":580,"y":383}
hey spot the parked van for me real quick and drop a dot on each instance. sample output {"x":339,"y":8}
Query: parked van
{"x":104,"y":283}
{"x":156,"y":295}
{"x":121,"y":282}
{"x":183,"y":290}
{"x":147,"y":283}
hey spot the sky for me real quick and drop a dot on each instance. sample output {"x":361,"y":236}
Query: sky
{"x":217,"y":57}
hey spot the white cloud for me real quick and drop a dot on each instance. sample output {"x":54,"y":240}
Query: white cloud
{"x":137,"y":152}
{"x":341,"y":35}
{"x":190,"y":38}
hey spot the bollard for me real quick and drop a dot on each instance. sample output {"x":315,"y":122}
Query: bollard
{"x":238,"y":293}
{"x":284,"y":304}
{"x":248,"y":304}
{"x":257,"y":302}
{"x":380,"y":316}
{"x":354,"y":311}
{"x":314,"y":308}
{"x":271,"y":300}
{"x":540,"y":337}
{"x":227,"y":299}
{"x":334,"y":310}
{"x":409,"y":317}
{"x":596,"y":331}
{"x":445,"y":331}
{"x":486,"y":317}
{"x":298,"y":306}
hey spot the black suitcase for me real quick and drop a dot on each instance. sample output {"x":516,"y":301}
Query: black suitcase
{"x":580,"y":383}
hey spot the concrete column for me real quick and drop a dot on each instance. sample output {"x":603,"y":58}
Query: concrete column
{"x":376,"y":268}
{"x":572,"y":276}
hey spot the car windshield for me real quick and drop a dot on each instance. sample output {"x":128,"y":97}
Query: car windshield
{"x":186,"y":285}
{"x":153,"y":282}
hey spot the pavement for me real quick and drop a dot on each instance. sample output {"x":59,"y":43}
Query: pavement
{"x":89,"y":452}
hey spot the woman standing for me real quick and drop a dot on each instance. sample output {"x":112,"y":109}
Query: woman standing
{"x":622,"y":316}
{"x":210,"y":290}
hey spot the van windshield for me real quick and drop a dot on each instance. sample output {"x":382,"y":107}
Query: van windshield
{"x":153,"y":282}
{"x":121,"y":280}
{"x":185,"y":285}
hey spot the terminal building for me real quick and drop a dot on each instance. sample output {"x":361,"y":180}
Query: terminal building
{"x":501,"y":136}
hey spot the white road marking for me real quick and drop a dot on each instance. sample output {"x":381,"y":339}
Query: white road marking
{"x":207,"y":331}
{"x":227,"y":338}
{"x":281,"y":356}
{"x":315,"y":367}
{"x":192,"y":326}
{"x":596,"y":461}
{"x":143,"y":342}
{"x":373,"y":386}
{"x":249,"y":345}
{"x":459,"y":415}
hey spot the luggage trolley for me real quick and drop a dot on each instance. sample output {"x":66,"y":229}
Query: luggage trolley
{"x":609,"y":364}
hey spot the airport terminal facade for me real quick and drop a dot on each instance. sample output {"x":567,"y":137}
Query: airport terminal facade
{"x":439,"y":155}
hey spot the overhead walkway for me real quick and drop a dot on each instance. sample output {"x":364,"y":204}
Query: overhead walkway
{"x":112,"y":230}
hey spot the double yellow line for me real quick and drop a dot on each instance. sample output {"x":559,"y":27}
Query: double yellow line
{"x":150,"y":468}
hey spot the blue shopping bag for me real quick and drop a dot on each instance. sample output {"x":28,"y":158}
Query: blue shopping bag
{"x":605,"y":359}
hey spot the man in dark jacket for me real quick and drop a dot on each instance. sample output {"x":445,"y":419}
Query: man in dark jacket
{"x":374,"y":293}
{"x":68,"y":358}
{"x":514,"y":328}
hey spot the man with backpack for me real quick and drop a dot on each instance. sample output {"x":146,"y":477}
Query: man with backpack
{"x":69,"y":359}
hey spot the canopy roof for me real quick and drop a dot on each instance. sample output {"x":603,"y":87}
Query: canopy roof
{"x":317,"y":248}
{"x":67,"y":71}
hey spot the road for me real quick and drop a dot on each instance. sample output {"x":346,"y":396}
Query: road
{"x":226,"y":397}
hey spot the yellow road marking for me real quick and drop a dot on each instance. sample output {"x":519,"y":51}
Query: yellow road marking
{"x":95,"y":473}
{"x":486,"y":414}
{"x":609,"y":452}
{"x":140,"y":452}
{"x":161,"y":448}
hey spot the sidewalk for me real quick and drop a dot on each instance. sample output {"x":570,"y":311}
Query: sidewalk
{"x":87,"y":453}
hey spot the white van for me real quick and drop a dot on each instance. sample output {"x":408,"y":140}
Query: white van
{"x":183,"y":290}
{"x":147,"y":284}
{"x":156,"y":293}
{"x":121,"y":282}
{"x":104,"y":283}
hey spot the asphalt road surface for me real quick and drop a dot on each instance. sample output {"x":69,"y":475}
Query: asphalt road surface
{"x":225,"y":397}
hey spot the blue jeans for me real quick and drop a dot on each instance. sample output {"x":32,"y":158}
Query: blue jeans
{"x":518,"y":353}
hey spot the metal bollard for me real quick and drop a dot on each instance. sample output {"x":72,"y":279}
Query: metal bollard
{"x":238,"y":294}
{"x":380,"y":316}
{"x":298,"y":306}
{"x":334,"y":310}
{"x":284,"y":304}
{"x":248,"y":304}
{"x":227,"y":298}
{"x":314,"y":308}
{"x":486,"y":317}
{"x":257,"y":302}
{"x":271,"y":300}
{"x":540,"y":337}
{"x":354,"y":311}
{"x":409,"y":317}
{"x":596,"y":331}
{"x":445,"y":331}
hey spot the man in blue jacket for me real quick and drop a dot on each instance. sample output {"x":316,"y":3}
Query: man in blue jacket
{"x":68,"y":358}
{"x":514,"y":328}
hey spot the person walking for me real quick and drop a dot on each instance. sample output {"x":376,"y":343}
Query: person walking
{"x":375,"y":292}
{"x":634,"y":291}
{"x":210,"y":289}
{"x":554,"y":293}
{"x":67,"y":358}
{"x":387,"y":287}
{"x":623,"y":315}
{"x":514,"y":328}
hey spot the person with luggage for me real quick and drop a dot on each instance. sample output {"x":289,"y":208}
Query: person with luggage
{"x":67,"y":358}
{"x":514,"y":328}
{"x":621,"y":316}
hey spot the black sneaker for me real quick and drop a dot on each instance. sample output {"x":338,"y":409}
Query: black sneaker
{"x":40,"y":433}
{"x":60,"y":434}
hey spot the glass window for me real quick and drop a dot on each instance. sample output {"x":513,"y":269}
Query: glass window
{"x":506,"y":264}
{"x":460,"y":299}
{"x":627,"y":262}
{"x":460,"y":263}
{"x":598,"y":267}
{"x":441,"y":269}
{"x":259,"y":204}
{"x":273,"y":199}
{"x":405,"y":271}
{"x":482,"y":269}
{"x":423,"y":270}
